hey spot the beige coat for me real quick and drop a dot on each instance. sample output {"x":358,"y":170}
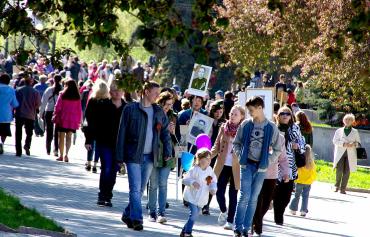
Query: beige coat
{"x":219,"y":150}
{"x":338,"y":140}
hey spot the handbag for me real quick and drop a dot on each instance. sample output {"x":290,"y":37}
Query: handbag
{"x":41,"y":123}
{"x":300,"y":159}
{"x":361,"y":153}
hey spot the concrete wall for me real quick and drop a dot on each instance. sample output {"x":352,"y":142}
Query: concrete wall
{"x":324,"y":148}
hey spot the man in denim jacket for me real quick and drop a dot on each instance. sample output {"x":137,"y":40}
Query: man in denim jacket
{"x":143,"y":124}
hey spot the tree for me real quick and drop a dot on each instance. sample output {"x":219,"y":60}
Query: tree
{"x":96,"y":21}
{"x":328,"y":40}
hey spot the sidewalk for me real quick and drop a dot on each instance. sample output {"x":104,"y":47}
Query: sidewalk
{"x":67,"y":193}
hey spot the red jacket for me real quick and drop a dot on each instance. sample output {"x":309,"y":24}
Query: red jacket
{"x":291,"y":99}
{"x":67,"y":113}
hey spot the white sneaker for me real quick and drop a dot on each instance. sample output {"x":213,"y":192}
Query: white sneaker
{"x":228,"y":226}
{"x":292,"y":212}
{"x":161,"y":219}
{"x":222,"y":218}
{"x":303,"y":213}
{"x":152,"y":217}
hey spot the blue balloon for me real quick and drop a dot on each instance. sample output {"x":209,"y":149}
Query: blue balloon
{"x":187,"y":160}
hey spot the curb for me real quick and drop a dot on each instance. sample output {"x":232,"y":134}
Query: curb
{"x":358,"y":190}
{"x":34,"y":231}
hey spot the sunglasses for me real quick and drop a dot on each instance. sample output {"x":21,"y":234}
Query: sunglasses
{"x":285,"y":114}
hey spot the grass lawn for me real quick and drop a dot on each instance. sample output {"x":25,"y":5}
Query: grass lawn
{"x":13,"y":214}
{"x":321,"y":125}
{"x":358,"y":179}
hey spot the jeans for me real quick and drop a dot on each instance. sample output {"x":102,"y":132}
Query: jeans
{"x":282,"y":196}
{"x":108,"y":171}
{"x":28,"y":124}
{"x":158,"y":186}
{"x":91,"y":152}
{"x":304,"y":190}
{"x":138,"y":176}
{"x":263,"y":204}
{"x":250,"y":186}
{"x":50,"y":132}
{"x":193,"y":216}
{"x":224,"y":178}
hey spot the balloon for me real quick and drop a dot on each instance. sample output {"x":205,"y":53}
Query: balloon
{"x":187,"y":160}
{"x":203,"y":140}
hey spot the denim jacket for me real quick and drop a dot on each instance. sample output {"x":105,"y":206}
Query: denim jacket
{"x":132,"y":132}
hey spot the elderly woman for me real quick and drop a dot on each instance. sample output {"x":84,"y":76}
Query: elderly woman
{"x":345,"y":140}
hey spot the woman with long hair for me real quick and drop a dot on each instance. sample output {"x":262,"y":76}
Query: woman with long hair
{"x":67,"y":116}
{"x":217,"y":113}
{"x":99,"y":93}
{"x":48,"y":102}
{"x":306,"y":128}
{"x":294,"y":143}
{"x":227,"y":168}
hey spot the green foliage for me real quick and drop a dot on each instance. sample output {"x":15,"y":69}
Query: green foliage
{"x":14,"y":215}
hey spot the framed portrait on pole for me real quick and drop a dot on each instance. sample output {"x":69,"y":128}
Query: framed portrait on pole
{"x":267,"y":94}
{"x":199,"y":80}
{"x":199,"y":124}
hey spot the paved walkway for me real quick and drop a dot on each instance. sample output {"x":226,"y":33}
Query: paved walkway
{"x":67,"y":193}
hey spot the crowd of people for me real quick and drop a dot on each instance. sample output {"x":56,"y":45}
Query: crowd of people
{"x":260,"y":161}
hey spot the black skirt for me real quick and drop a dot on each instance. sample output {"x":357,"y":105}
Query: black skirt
{"x":60,"y":129}
{"x":5,"y":130}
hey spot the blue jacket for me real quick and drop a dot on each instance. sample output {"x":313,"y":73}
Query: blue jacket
{"x":270,"y":139}
{"x":8,"y":101}
{"x":132,"y":133}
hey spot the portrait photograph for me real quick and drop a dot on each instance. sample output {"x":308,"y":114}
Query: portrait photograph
{"x":267,"y":94}
{"x":199,"y":124}
{"x":199,"y":80}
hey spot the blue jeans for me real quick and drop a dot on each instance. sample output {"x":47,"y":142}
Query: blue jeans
{"x":138,"y":176}
{"x":193,"y":216}
{"x":158,"y":186}
{"x":304,"y":190}
{"x":90,"y":153}
{"x":250,"y":186}
{"x":108,"y":172}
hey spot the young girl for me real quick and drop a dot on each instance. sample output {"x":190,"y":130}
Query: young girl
{"x":199,"y":181}
{"x":227,"y":168}
{"x":306,"y":176}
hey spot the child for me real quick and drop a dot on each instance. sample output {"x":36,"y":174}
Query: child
{"x":306,"y":176}
{"x":199,"y":181}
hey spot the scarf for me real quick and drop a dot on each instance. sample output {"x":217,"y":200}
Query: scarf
{"x":230,"y":129}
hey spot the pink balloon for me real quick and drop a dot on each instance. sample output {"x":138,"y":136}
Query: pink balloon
{"x":203,"y":140}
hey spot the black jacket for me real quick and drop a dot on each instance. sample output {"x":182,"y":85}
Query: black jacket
{"x":103,"y":119}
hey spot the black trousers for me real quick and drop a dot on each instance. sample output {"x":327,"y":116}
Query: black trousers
{"x":342,"y":172}
{"x":28,"y":124}
{"x":263,"y":204}
{"x":50,"y":132}
{"x":225,"y":177}
{"x":282,"y":196}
